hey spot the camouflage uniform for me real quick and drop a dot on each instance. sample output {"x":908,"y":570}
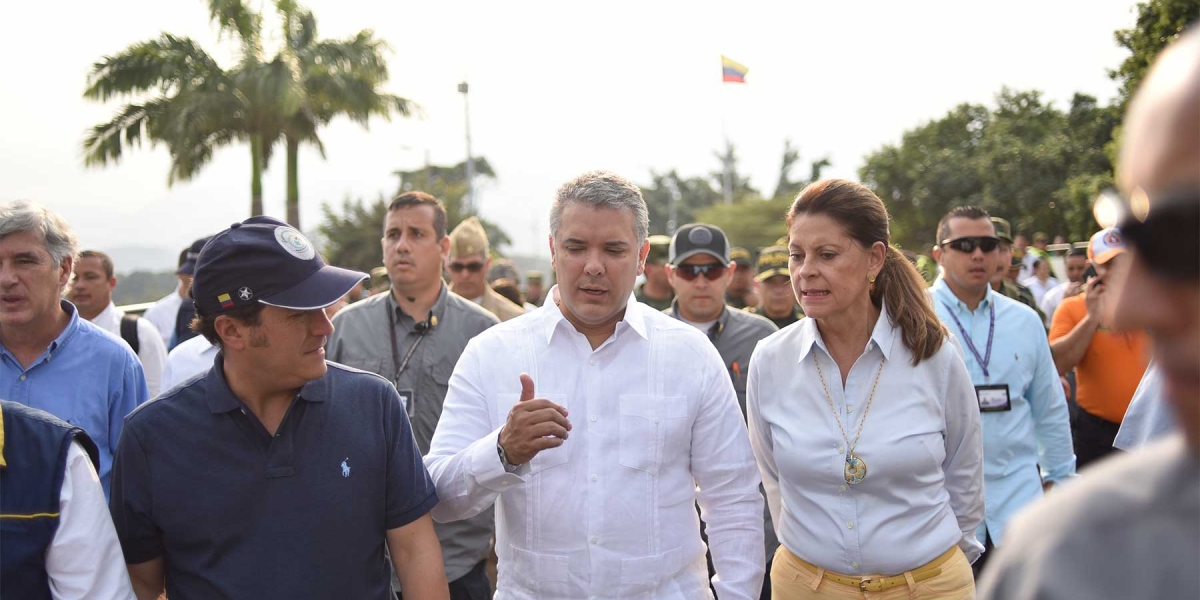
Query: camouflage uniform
{"x":659,"y":246}
{"x":773,"y":261}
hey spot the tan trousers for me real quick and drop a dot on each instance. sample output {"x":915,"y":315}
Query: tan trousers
{"x":792,"y":579}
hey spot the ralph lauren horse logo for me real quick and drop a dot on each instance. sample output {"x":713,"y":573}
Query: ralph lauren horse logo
{"x":346,"y":467}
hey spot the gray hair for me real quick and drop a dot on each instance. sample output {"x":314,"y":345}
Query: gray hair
{"x":602,"y":189}
{"x":49,"y":226}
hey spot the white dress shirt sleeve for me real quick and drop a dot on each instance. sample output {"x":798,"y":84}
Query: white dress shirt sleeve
{"x":761,"y":442}
{"x":724,"y":470}
{"x":963,"y":466}
{"x":153,"y":355}
{"x":462,"y":458}
{"x":84,"y":559}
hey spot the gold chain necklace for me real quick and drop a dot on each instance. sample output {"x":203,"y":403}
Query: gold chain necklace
{"x":856,"y":468}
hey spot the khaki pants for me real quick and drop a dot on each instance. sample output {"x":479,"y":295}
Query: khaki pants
{"x":792,"y":579}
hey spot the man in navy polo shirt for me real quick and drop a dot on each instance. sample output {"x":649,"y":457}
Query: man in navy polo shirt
{"x":276,"y":474}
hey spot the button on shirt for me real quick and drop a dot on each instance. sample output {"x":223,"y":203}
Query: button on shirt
{"x":610,"y":512}
{"x":151,"y":351}
{"x":239,"y":513}
{"x":1037,"y":430}
{"x":86,"y":377}
{"x":360,"y":339}
{"x":923,"y":492}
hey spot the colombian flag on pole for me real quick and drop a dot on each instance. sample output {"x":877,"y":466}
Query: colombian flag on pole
{"x":732,"y":71}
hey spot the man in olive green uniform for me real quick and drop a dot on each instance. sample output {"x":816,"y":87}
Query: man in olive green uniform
{"x":468,"y":264}
{"x":777,"y":299}
{"x":656,"y":291}
{"x":1006,"y":286}
{"x":741,"y":292}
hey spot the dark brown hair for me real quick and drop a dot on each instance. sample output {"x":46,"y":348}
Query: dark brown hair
{"x":409,"y":199}
{"x":105,"y":261}
{"x":206,"y":325}
{"x":862,"y":214}
{"x":970,"y":213}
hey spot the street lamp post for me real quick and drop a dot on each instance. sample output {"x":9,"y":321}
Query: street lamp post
{"x":469,"y":206}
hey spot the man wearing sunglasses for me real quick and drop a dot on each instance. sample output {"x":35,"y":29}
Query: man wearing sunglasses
{"x":1023,"y":410}
{"x":700,"y":269}
{"x":468,"y":264}
{"x":1127,"y":528}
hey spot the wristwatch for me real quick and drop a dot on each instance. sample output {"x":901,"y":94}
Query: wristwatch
{"x":508,"y":467}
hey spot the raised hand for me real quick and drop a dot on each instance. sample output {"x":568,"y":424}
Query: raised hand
{"x":533,"y":425}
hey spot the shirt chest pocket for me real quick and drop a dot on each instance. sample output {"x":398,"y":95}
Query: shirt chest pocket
{"x":654,"y":430}
{"x":551,"y":457}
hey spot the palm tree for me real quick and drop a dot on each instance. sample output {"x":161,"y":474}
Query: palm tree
{"x":332,"y":77}
{"x":196,"y":105}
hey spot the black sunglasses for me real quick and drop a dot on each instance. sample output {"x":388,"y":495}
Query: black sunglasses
{"x":474,"y":267}
{"x":711,"y":272}
{"x":970,"y":243}
{"x":1164,"y":232}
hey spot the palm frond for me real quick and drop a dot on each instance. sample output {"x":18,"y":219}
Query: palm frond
{"x":236,"y":17}
{"x":106,"y":142}
{"x":168,"y":64}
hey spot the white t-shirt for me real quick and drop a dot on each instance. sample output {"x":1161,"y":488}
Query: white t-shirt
{"x":152,"y":352}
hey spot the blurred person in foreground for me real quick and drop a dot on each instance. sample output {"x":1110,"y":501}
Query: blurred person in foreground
{"x":51,"y":358}
{"x":740,"y":292}
{"x":1108,"y":363}
{"x":863,"y":418}
{"x":91,"y":290}
{"x":595,"y":424}
{"x":278,"y":473}
{"x":468,"y":264}
{"x":777,"y":300}
{"x":1128,"y":528}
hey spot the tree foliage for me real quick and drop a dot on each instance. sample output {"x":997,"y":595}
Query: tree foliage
{"x":1158,"y":23}
{"x":350,"y":236}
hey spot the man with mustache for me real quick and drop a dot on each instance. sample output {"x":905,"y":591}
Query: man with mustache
{"x":413,"y":336}
{"x":595,"y":424}
{"x":277,"y":474}
{"x":1128,"y":527}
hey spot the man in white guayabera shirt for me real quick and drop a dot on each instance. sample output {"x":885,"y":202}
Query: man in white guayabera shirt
{"x":595,"y":424}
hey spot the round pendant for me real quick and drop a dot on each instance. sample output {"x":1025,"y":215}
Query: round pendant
{"x":856,"y":470}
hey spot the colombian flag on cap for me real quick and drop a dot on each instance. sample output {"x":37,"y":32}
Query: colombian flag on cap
{"x":225,"y":300}
{"x":733,"y":71}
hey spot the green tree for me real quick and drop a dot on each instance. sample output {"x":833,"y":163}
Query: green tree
{"x":194,"y":105}
{"x":786,"y":187}
{"x":695,"y":193}
{"x":332,"y":77}
{"x":752,"y":223}
{"x":1158,"y":23}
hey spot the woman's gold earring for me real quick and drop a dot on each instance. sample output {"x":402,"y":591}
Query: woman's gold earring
{"x":870,"y":279}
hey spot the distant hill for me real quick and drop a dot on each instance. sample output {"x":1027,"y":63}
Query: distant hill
{"x":127,"y":259}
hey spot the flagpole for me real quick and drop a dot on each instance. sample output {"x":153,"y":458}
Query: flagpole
{"x":726,"y":170}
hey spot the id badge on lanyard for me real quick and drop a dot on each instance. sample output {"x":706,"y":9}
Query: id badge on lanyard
{"x":993,"y":398}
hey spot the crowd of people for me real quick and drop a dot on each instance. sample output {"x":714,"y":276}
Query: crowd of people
{"x":826,"y":417}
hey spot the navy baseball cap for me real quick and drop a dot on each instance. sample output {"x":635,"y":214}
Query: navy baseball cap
{"x":188,"y":266}
{"x":267,"y":261}
{"x":698,"y":238}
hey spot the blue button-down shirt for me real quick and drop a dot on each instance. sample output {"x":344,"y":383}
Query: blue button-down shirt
{"x":86,"y":377}
{"x":1037,"y":431}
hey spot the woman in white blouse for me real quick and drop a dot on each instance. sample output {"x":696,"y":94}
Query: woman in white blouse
{"x":863,"y":418}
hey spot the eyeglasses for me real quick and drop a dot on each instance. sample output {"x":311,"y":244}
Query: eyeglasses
{"x":970,"y":243}
{"x":1163,"y":232}
{"x":711,"y":272}
{"x":474,"y":267}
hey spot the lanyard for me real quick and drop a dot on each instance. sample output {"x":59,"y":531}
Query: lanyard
{"x":401,"y":364}
{"x":987,"y":357}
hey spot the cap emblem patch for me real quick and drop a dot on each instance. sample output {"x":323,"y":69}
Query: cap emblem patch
{"x":225,"y":300}
{"x":245,"y":293}
{"x":295,"y":243}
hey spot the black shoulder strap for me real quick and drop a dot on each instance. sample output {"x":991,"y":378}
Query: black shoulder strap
{"x":129,"y":331}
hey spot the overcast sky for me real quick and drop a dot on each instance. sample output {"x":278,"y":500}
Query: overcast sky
{"x":556,"y":89}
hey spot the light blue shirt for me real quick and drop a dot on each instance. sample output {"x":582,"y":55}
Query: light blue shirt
{"x":1149,"y":416}
{"x":1037,"y":431}
{"x":87,"y":377}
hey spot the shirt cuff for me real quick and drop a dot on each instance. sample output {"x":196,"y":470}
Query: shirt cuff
{"x":970,"y":546}
{"x":1063,"y":472}
{"x":486,"y":468}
